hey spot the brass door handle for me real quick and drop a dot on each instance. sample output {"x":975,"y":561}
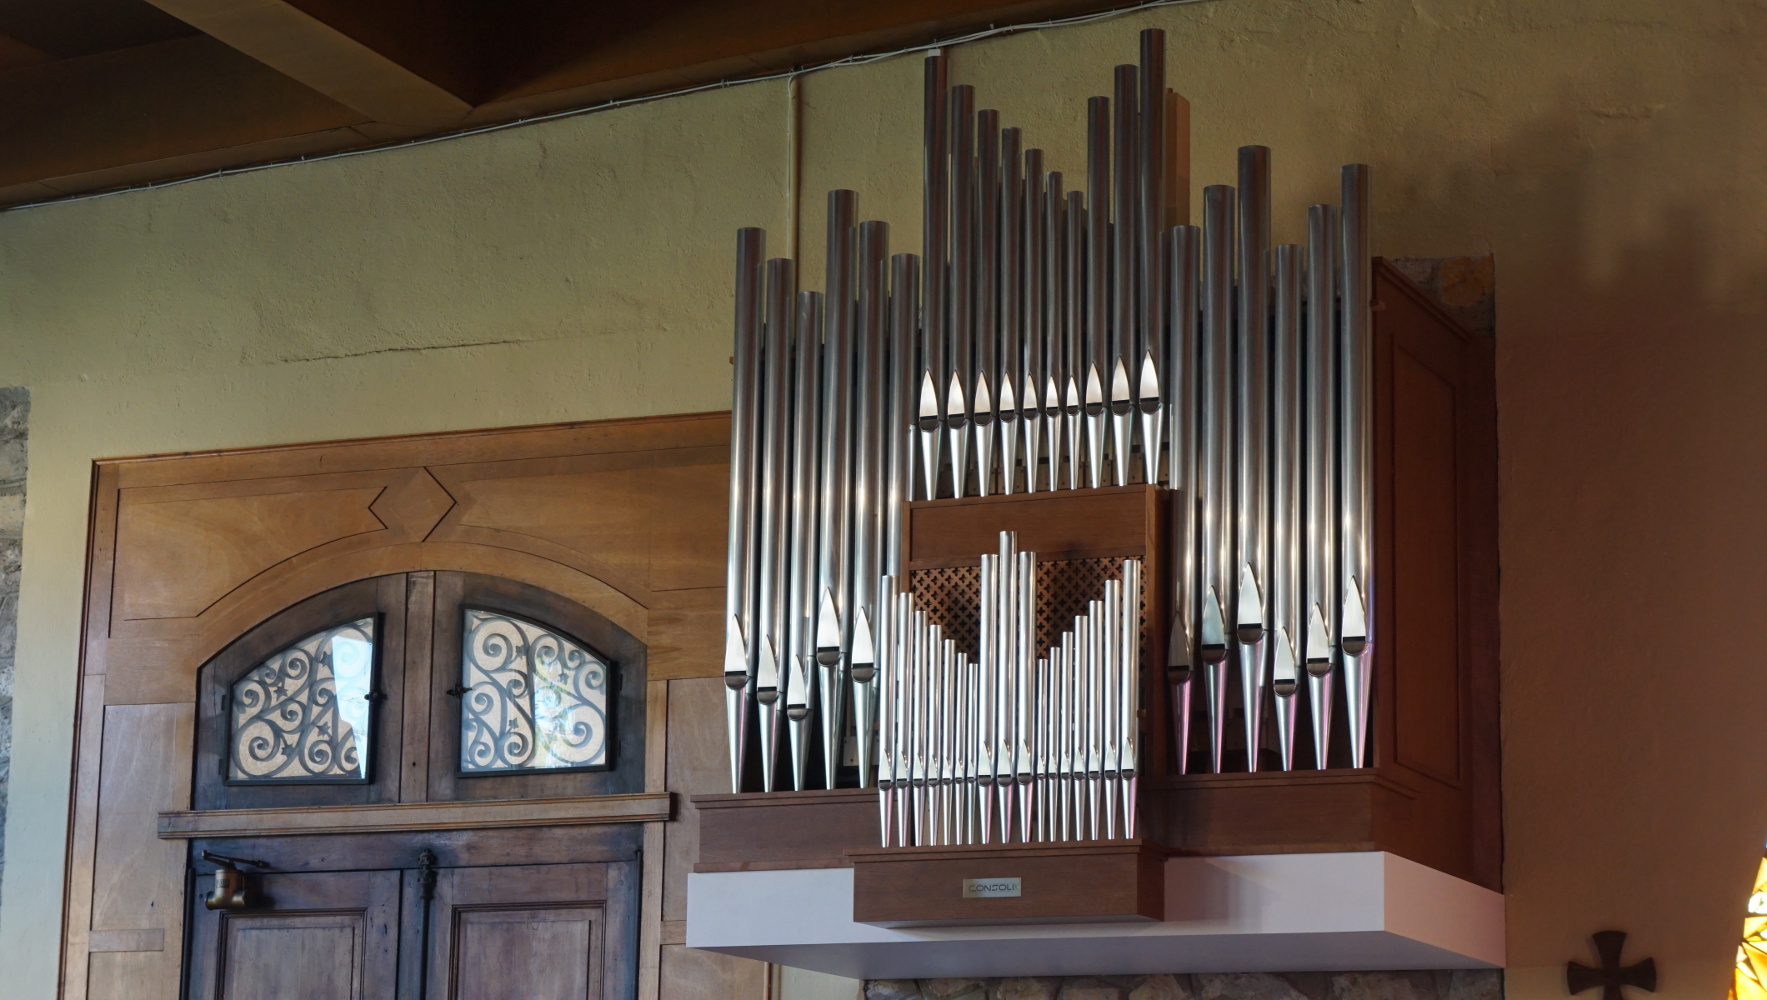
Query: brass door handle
{"x":230,"y":891}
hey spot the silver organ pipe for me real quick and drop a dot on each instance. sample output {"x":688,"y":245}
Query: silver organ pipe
{"x":1097,"y":295}
{"x":1182,"y":365}
{"x":985,"y":387}
{"x":1251,"y":435}
{"x":800,"y":655}
{"x":739,"y":659}
{"x":963,"y":284}
{"x":898,"y":423}
{"x":1034,"y":318}
{"x":834,"y":617}
{"x":1320,"y":551}
{"x":1073,"y":253}
{"x":1215,"y":462}
{"x":1285,"y":493}
{"x":1010,"y":336}
{"x":1355,"y":457}
{"x":935,"y":219}
{"x":869,"y":465}
{"x":1151,"y":234}
{"x":1066,"y":339}
{"x":775,"y":474}
{"x":1123,"y":271}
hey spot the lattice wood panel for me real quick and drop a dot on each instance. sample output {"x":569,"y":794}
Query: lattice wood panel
{"x":950,"y":596}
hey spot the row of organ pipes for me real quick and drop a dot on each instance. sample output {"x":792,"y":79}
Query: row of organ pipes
{"x":1052,"y":339}
{"x":1014,"y":743}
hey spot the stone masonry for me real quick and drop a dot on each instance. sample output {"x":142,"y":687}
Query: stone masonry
{"x":15,"y":409}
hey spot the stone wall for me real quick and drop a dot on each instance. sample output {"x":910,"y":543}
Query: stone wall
{"x":15,"y":409}
{"x":1463,"y":985}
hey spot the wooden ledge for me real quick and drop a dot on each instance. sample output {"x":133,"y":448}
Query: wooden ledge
{"x":411,"y":816}
{"x":811,"y":797}
{"x":1281,"y":779}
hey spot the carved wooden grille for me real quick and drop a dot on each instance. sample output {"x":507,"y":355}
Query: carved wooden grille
{"x":950,"y":596}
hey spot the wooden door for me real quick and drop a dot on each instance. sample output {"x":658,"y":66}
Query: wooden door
{"x":533,"y":932}
{"x":318,"y":936}
{"x":195,"y":564}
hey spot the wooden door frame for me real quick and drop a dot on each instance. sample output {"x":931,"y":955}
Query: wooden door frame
{"x":442,"y":503}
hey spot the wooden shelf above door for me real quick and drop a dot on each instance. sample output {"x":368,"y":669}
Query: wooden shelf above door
{"x":416,"y":816}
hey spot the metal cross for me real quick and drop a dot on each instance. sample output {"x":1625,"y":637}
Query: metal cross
{"x":1611,"y":976}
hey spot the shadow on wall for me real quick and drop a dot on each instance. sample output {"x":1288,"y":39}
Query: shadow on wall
{"x":1631,"y":360}
{"x":1460,"y":985}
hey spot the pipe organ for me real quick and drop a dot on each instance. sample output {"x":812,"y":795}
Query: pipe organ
{"x":1074,"y":526}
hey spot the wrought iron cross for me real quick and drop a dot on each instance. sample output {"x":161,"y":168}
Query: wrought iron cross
{"x":1611,"y":976}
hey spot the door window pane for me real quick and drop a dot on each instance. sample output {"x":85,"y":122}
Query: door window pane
{"x":532,"y":699}
{"x":303,"y":714}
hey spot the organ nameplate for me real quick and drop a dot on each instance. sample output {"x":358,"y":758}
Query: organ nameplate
{"x":990,"y":888}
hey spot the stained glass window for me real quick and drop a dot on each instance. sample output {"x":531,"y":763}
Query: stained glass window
{"x":303,"y":714}
{"x":1750,"y":982}
{"x":532,"y":699}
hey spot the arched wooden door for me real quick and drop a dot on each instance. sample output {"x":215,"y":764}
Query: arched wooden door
{"x":204,"y":568}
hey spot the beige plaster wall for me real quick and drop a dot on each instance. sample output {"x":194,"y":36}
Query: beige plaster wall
{"x":1608,"y":152}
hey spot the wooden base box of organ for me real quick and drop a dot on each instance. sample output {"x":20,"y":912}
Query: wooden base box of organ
{"x":1103,"y":881}
{"x":1432,"y":793}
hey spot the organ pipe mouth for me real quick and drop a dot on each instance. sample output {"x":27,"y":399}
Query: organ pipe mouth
{"x":1149,"y":401}
{"x":1318,"y":644}
{"x":1094,"y":392}
{"x":1284,"y":679}
{"x":1120,"y":401}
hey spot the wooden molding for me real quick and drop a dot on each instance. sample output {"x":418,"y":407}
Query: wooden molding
{"x":188,"y":825}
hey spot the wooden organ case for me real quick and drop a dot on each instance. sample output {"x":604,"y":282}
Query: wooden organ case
{"x":1431,"y":795}
{"x":1282,"y":456}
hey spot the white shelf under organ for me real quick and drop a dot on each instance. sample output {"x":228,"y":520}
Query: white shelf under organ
{"x":1252,"y":913}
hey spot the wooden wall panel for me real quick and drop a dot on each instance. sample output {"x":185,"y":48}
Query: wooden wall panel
{"x":176,"y":558}
{"x":1426,"y":576}
{"x":626,"y":518}
{"x":689,"y":548}
{"x":139,"y":878}
{"x":691,"y":974}
{"x":687,"y":634}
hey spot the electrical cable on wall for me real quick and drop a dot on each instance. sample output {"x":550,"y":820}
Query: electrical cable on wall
{"x":853,"y":60}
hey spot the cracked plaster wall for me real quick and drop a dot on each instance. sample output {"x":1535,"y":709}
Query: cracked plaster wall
{"x":1609,"y":152}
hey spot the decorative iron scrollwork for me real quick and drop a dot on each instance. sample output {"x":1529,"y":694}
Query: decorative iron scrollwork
{"x":303,"y":714}
{"x":533,"y":698}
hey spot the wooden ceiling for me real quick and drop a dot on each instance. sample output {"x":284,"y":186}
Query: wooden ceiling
{"x":101,"y":94}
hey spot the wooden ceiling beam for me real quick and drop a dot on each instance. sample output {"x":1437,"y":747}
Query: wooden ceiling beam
{"x":15,"y":54}
{"x":339,"y":65}
{"x":603,"y":51}
{"x":108,"y":119}
{"x":280,"y":79}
